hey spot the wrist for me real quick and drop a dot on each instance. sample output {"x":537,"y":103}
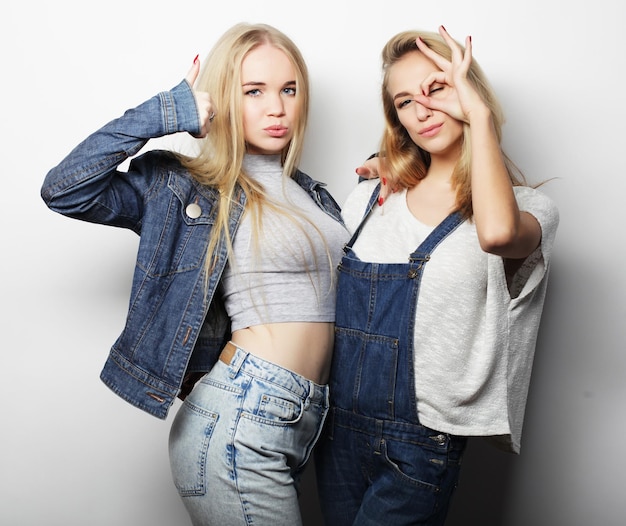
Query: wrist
{"x":480,"y":116}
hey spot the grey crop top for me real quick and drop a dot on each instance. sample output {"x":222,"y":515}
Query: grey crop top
{"x":288,"y":275}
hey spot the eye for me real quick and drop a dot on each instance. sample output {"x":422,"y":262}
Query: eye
{"x":435,"y":89}
{"x":291,"y":91}
{"x":403,"y":103}
{"x":255,"y":92}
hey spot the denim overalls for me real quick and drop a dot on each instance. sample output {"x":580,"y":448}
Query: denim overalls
{"x":375,"y":463}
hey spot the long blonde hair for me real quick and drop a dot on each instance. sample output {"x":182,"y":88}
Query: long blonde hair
{"x":407,"y":162}
{"x":219,"y":163}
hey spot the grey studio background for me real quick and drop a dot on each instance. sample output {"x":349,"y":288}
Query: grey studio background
{"x":72,"y":453}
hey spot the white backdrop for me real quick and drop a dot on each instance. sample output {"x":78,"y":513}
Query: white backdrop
{"x":72,"y":453}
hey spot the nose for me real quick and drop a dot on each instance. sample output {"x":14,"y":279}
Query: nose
{"x":422,"y":111}
{"x":276,"y":106}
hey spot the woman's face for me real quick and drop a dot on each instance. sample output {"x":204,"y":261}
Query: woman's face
{"x":270,"y":108}
{"x":433,"y":131}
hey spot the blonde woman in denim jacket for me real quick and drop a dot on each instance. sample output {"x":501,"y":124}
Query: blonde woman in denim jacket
{"x":234,"y":286}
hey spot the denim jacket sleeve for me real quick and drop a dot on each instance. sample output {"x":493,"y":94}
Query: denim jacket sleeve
{"x":87,"y":184}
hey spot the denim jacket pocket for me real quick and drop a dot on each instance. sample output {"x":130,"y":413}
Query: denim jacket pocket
{"x":186,"y":217}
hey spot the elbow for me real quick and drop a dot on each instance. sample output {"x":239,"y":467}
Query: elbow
{"x":514,"y":239}
{"x":46,"y":194}
{"x":49,"y":187}
{"x":498,"y":240}
{"x":56,"y":201}
{"x":54,"y":192}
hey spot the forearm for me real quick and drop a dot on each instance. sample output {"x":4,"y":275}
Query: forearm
{"x":91,"y":168}
{"x":500,"y":226}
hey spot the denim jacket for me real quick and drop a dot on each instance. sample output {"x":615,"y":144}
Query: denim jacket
{"x":176,"y":323}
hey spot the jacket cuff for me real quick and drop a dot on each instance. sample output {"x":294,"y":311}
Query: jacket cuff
{"x":180,"y":113}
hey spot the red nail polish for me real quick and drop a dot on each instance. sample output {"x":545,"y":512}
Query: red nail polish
{"x":380,"y":201}
{"x":384,"y":181}
{"x":195,"y":60}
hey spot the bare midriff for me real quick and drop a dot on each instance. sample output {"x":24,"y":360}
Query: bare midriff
{"x":302,"y":347}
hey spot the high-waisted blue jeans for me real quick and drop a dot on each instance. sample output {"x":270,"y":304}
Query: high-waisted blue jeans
{"x":240,"y":441}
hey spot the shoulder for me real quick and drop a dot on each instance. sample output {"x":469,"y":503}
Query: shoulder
{"x":306,"y":181}
{"x":168,"y":174}
{"x":313,"y":187}
{"x":533,"y":197}
{"x":544,"y":209}
{"x":161,"y":165}
{"x":538,"y":204}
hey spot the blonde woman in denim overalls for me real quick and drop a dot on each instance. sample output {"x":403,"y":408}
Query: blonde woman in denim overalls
{"x":439,"y":296}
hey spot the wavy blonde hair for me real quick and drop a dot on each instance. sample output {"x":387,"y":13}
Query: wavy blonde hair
{"x":219,"y":163}
{"x":407,"y":162}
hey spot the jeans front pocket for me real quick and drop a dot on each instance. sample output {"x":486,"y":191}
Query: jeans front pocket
{"x":278,"y":409}
{"x":419,"y":477}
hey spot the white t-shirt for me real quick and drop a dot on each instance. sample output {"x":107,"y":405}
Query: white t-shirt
{"x":474,"y":344}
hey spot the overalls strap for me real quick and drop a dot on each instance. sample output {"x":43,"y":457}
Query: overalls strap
{"x":422,"y":253}
{"x":368,"y":209}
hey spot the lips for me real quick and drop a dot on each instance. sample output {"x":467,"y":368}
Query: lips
{"x":431,"y":130}
{"x":276,"y":131}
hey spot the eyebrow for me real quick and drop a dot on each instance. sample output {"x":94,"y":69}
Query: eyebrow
{"x":258,"y":83}
{"x":402,"y":94}
{"x":408,"y":94}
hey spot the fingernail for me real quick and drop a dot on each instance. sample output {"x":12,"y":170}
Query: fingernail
{"x":444,"y":28}
{"x":380,"y":201}
{"x":195,"y":60}
{"x":384,"y":181}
